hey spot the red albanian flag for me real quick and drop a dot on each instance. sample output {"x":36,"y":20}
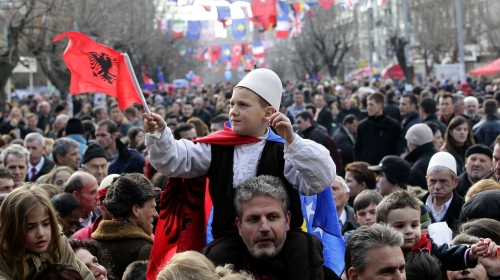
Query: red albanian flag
{"x":264,"y":14}
{"x":97,"y":68}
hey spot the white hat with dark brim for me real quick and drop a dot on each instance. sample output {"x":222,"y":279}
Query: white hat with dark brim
{"x":443,"y":159}
{"x":266,"y":84}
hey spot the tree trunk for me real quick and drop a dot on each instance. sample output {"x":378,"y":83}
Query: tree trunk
{"x":9,"y":60}
{"x":399,"y":47}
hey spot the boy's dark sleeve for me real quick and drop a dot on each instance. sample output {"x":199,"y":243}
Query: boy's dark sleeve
{"x":452,"y":257}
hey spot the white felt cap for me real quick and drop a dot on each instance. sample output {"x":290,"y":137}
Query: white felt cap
{"x":106,"y":182}
{"x":443,"y":159}
{"x":266,"y":84}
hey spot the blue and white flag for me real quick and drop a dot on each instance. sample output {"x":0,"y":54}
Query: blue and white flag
{"x":321,"y":220}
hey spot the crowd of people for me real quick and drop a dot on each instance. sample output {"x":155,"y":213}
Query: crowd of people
{"x":414,"y":176}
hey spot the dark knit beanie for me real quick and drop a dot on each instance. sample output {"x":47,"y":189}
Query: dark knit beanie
{"x":485,"y":204}
{"x":74,"y":126}
{"x":126,"y":191}
{"x":94,"y":151}
{"x":479,"y":149}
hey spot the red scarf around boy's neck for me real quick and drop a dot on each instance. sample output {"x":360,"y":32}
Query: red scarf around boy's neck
{"x":227,"y":137}
{"x":424,"y":245}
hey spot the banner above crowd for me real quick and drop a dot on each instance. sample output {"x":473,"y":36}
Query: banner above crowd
{"x":286,"y":18}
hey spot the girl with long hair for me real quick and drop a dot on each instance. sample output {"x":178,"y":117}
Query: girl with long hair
{"x":30,"y":236}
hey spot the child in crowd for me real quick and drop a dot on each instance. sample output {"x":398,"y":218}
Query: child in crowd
{"x":246,"y":149}
{"x":31,"y":238}
{"x":364,"y":206}
{"x":401,"y":211}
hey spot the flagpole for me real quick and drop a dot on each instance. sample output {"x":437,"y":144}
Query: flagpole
{"x":136,"y":83}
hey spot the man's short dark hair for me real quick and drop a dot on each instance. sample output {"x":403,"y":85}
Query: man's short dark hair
{"x":390,"y":95}
{"x":136,"y":270}
{"x":312,"y":107}
{"x":413,"y":99}
{"x":4,"y":174}
{"x":188,"y":103}
{"x":220,"y":119}
{"x":366,"y":198}
{"x":490,"y":107}
{"x":496,"y":96}
{"x":428,"y":105}
{"x":349,"y":119}
{"x":298,"y":93}
{"x":98,"y":110}
{"x":447,"y":95}
{"x":132,"y":111}
{"x":65,"y":204}
{"x":110,"y":125}
{"x":377,"y":97}
{"x":305,"y":116}
{"x":181,"y":128}
{"x":423,"y":266}
{"x":114,"y":105}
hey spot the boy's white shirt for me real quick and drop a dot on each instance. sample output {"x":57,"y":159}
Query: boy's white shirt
{"x":308,"y":165}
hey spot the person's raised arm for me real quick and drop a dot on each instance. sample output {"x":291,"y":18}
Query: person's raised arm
{"x":178,"y":159}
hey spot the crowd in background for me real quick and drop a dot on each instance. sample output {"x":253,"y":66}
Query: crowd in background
{"x":383,"y":140}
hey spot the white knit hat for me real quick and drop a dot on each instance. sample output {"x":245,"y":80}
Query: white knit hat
{"x":266,"y":84}
{"x":419,"y":134}
{"x":443,"y":159}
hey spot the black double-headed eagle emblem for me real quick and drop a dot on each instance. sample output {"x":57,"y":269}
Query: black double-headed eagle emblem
{"x":103,"y":66}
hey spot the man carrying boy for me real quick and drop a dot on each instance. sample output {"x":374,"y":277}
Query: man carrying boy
{"x":401,"y":211}
{"x":263,"y":222}
{"x":247,"y":149}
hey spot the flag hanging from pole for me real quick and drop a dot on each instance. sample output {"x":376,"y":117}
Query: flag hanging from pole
{"x":98,"y":68}
{"x":149,"y":84}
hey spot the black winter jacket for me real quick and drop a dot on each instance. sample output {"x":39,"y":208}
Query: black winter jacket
{"x":376,"y":138}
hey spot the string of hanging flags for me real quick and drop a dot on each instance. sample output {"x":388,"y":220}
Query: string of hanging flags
{"x":229,"y":56}
{"x":286,"y":18}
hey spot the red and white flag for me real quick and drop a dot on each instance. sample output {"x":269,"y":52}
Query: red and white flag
{"x":258,"y":50}
{"x":207,"y":30}
{"x":235,"y":55}
{"x":98,"y":68}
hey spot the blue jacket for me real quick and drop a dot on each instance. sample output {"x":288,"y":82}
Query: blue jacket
{"x":486,"y":131}
{"x":129,"y":161}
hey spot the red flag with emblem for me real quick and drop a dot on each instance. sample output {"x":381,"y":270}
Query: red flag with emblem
{"x":215,"y":53}
{"x":236,"y":55}
{"x":97,"y":68}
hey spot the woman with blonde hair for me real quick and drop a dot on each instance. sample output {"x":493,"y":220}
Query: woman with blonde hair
{"x":481,"y":186}
{"x":193,"y":265}
{"x":30,"y":236}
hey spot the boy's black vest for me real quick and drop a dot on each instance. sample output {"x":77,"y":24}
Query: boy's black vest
{"x":221,"y":188}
